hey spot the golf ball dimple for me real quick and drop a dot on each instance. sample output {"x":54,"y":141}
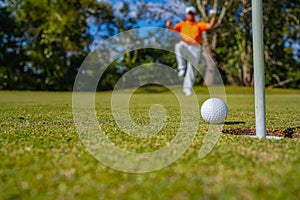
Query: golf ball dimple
{"x":214,"y":111}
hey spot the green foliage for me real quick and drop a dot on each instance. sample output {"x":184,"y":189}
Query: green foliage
{"x":12,"y":56}
{"x":56,"y":40}
{"x":279,"y":34}
{"x":43,"y":43}
{"x":281,"y":22}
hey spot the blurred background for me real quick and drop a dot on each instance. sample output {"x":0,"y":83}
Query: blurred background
{"x":43,"y":43}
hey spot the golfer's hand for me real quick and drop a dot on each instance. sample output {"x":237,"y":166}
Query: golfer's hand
{"x":169,"y":23}
{"x":212,"y":12}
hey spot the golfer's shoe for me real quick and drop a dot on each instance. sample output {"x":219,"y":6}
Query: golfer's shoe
{"x":188,"y":93}
{"x":181,"y":73}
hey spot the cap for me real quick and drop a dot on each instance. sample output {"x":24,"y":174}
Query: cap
{"x":191,"y":9}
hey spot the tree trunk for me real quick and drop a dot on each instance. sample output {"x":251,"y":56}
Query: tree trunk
{"x":246,"y":56}
{"x":247,"y":67}
{"x":210,"y":65}
{"x":209,"y":47}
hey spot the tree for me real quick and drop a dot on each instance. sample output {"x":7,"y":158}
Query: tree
{"x":56,"y":38}
{"x":12,"y":56}
{"x":234,"y":43}
{"x":43,"y":43}
{"x":210,"y":44}
{"x":282,"y":66}
{"x":234,"y":50}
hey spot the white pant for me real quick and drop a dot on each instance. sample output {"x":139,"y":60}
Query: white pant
{"x":189,"y":54}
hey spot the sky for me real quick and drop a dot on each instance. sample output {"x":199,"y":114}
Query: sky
{"x":164,"y":9}
{"x":160,"y":11}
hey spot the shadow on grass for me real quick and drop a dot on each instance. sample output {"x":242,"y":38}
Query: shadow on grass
{"x":234,"y":123}
{"x":152,"y":88}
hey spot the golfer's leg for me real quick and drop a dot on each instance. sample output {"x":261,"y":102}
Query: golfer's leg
{"x":181,"y":51}
{"x":190,"y":75}
{"x":189,"y":79}
{"x":194,"y":54}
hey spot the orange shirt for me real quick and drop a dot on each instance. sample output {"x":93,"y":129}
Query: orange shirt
{"x":191,"y":32}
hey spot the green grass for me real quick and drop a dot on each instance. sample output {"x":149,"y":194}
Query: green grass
{"x":42,"y":157}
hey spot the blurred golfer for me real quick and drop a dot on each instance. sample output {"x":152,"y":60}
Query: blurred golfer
{"x":189,"y":46}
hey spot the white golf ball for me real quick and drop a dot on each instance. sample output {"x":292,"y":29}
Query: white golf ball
{"x":214,"y":111}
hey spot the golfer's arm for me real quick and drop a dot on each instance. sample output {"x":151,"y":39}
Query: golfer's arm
{"x":170,"y":27}
{"x":211,"y":22}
